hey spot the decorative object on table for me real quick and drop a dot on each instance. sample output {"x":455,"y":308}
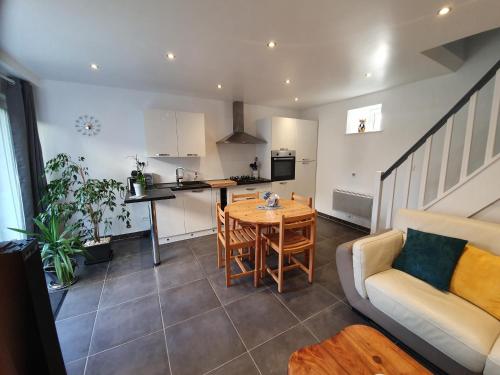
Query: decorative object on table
{"x":88,"y":202}
{"x":273,"y":200}
{"x":140,"y":179}
{"x":266,"y":195}
{"x":362,"y":125}
{"x":58,"y":250}
{"x":87,"y":125}
{"x":255,"y":167}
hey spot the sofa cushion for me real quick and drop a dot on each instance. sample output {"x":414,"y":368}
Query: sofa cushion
{"x":430,"y":257}
{"x":477,"y":279}
{"x":452,"y":325}
{"x":493,"y":362}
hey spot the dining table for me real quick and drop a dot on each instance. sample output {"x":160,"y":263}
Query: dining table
{"x":256,"y":213}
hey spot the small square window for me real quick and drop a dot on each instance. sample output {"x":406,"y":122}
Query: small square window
{"x":364,"y":119}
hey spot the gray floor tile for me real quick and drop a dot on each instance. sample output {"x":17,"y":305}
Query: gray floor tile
{"x":328,"y":277}
{"x":272,"y":357}
{"x":129,"y":264}
{"x":127,"y":321}
{"x":74,"y":336}
{"x":209,"y":264}
{"x":125,"y":288}
{"x":202,"y":343}
{"x":176,"y":252}
{"x":76,"y":367}
{"x":147,"y":355}
{"x":239,"y":287}
{"x":183,"y":302}
{"x":90,"y":274}
{"x":204,"y":245}
{"x":242,"y":365}
{"x":259,"y":317}
{"x":80,"y":300}
{"x":174,"y":274}
{"x":304,"y":299}
{"x":131,"y":246}
{"x":331,"y":321}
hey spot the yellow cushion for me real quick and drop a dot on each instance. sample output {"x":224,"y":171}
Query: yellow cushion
{"x":477,"y":279}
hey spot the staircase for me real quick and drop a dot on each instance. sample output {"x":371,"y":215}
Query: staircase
{"x":455,"y":167}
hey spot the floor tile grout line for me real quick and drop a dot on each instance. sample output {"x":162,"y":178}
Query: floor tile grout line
{"x":321,"y":311}
{"x":162,"y":321}
{"x":276,"y":335}
{"x":296,"y":317}
{"x":95,"y":319}
{"x":225,"y":363}
{"x":227,"y":314}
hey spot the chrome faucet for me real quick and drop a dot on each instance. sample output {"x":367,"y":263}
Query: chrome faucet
{"x":179,"y":175}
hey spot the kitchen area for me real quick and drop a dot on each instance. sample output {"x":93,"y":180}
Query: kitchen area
{"x":285,"y":162}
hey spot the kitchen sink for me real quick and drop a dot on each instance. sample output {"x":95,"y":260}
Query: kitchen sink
{"x":185,"y":185}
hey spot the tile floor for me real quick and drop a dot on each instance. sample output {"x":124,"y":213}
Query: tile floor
{"x":125,"y":317}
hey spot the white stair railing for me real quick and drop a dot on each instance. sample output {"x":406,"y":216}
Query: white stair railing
{"x":425,"y":145}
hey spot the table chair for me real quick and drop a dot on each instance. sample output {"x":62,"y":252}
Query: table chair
{"x":308,"y":201}
{"x":297,"y":234}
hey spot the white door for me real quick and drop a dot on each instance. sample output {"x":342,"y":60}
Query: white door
{"x":305,"y":178}
{"x":198,"y":210}
{"x":170,"y":216}
{"x":191,"y":133}
{"x":161,"y":133}
{"x":307,"y":140}
{"x":284,"y":133}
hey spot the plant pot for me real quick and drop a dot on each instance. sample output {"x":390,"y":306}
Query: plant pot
{"x":98,"y":252}
{"x":54,"y":283}
{"x":139,"y":189}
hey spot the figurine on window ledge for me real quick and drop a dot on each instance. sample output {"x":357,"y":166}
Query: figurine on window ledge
{"x":361,"y":126}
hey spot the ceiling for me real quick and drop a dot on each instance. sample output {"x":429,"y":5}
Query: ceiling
{"x":324,"y":46}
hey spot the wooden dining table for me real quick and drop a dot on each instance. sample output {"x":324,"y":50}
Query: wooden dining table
{"x":251,"y":212}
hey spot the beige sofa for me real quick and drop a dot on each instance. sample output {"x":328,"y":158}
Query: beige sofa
{"x":450,"y":332}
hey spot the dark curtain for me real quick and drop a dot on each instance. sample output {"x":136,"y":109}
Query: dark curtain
{"x":27,"y":148}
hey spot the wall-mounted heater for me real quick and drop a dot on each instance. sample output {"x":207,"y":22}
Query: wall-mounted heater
{"x":351,"y":203}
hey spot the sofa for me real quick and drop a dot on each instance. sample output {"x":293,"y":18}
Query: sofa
{"x":453,"y":334}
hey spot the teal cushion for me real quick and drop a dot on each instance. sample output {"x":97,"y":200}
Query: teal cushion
{"x":430,"y":257}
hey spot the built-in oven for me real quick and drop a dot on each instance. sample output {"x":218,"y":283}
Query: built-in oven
{"x":282,"y":165}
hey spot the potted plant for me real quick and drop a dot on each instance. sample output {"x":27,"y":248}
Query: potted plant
{"x":88,"y":202}
{"x":140,"y":180}
{"x":59,"y":248}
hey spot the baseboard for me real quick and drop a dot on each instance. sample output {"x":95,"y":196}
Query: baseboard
{"x":344,"y":222}
{"x":186,"y":236}
{"x":127,"y":236}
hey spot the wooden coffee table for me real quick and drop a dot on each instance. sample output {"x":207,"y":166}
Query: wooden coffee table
{"x":357,"y":349}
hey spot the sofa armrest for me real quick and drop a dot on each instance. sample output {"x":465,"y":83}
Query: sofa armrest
{"x":373,"y":255}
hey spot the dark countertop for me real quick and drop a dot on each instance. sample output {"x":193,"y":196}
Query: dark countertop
{"x":252,"y":182}
{"x":151,"y":195}
{"x":186,"y":185}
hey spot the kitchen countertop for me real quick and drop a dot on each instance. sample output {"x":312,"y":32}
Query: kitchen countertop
{"x":151,"y":195}
{"x":185,"y":185}
{"x":221,"y":183}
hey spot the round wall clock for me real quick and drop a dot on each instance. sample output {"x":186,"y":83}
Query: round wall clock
{"x":87,"y":125}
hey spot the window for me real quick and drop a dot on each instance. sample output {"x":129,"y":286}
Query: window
{"x":11,"y":212}
{"x":364,"y":119}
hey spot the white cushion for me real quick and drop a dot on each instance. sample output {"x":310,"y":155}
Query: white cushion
{"x":493,"y":362}
{"x":452,"y":325}
{"x":482,"y":234}
{"x":374,"y":254}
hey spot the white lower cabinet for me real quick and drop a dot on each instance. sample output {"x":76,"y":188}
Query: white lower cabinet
{"x":170,"y":216}
{"x":198,"y":210}
{"x":283,"y":188}
{"x":247,"y":189}
{"x":305,"y":178}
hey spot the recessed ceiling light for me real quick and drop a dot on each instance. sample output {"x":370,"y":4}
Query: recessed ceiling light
{"x":170,"y":56}
{"x":296,"y":99}
{"x":288,"y":81}
{"x":368,"y":75}
{"x":219,"y":86}
{"x":94,"y":66}
{"x":271,"y":44}
{"x":444,"y":11}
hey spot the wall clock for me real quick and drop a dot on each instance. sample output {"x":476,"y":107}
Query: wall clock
{"x":87,"y":125}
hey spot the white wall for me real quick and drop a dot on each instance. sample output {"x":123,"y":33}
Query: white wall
{"x":407,"y":113}
{"x":120,"y":112}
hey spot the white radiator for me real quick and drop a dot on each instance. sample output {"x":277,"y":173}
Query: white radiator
{"x":352,"y":203}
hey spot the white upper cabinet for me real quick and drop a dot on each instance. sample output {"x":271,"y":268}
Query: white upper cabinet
{"x":191,"y":133}
{"x":174,"y":134}
{"x":284,"y":133}
{"x":161,"y":133}
{"x":307,"y":140}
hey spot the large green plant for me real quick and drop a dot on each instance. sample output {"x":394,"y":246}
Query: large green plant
{"x":72,"y":194}
{"x":59,"y":247}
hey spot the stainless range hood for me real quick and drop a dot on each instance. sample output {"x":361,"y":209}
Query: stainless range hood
{"x":238,"y":135}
